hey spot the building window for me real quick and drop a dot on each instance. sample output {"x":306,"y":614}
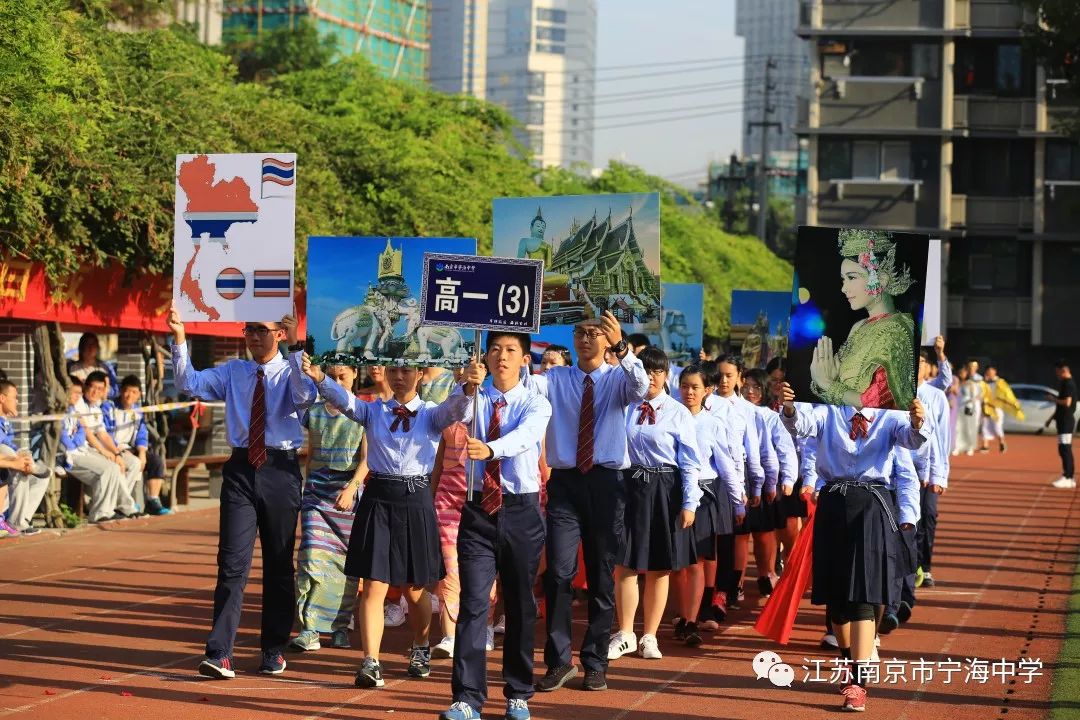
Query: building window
{"x":875,"y":160}
{"x":549,"y":48}
{"x":981,"y":272}
{"x":551,"y":16}
{"x":834,"y":159}
{"x":1062,"y":160}
{"x":536,"y":114}
{"x":926,"y":61}
{"x":993,"y":168}
{"x":879,"y":58}
{"x":992,"y":67}
{"x":536,"y":142}
{"x":990,"y":266}
{"x":536,"y":83}
{"x":550,"y":33}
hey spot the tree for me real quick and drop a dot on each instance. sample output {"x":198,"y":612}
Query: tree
{"x":1055,"y":39}
{"x":279,"y":51}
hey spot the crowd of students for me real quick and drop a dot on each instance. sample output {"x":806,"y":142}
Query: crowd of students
{"x":104,"y":444}
{"x":617,"y":466}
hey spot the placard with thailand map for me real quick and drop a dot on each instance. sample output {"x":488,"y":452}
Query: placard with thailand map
{"x":234,"y":237}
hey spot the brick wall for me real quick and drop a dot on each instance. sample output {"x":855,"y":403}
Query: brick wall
{"x":129,"y":359}
{"x":17,"y":361}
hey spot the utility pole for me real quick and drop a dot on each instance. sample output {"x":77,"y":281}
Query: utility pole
{"x":763,"y":170}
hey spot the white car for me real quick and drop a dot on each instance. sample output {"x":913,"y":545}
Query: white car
{"x":1037,"y":408}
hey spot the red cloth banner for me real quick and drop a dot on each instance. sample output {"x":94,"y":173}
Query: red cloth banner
{"x":778,"y":616}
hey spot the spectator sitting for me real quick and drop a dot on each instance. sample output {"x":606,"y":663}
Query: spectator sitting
{"x":127,"y":426}
{"x":100,"y":437}
{"x":27,"y":480}
{"x":102,"y":477}
{"x":88,"y":362}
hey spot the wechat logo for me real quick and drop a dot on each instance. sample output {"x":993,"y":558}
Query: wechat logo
{"x":769,"y":665}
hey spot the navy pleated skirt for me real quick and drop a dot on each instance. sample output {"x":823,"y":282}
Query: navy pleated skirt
{"x":793,"y":505}
{"x":766,"y":517}
{"x":652,"y":540}
{"x":395,"y":537}
{"x":856,"y":550}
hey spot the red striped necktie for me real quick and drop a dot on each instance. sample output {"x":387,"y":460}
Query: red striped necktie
{"x":860,"y":426}
{"x":646,"y":412}
{"x":257,"y":422}
{"x":491,"y":500}
{"x":586,"y":422}
{"x":403,"y":414}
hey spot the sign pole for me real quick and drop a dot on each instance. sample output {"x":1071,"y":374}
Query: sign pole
{"x":476,"y":413}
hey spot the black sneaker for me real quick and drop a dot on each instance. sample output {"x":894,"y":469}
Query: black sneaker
{"x":594,"y":680}
{"x":889,"y":622}
{"x":1004,"y":447}
{"x":680,"y":629}
{"x":420,"y":662}
{"x":369,"y":675}
{"x":928,"y":579}
{"x":556,"y":677}
{"x":904,"y":613}
{"x":217,"y":668}
{"x":691,"y":635}
{"x":764,"y":586}
{"x":273,"y":663}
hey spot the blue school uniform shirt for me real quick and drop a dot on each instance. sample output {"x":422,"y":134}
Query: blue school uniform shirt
{"x":117,"y":419}
{"x":288,"y":394}
{"x":72,"y":435}
{"x":409,"y":453}
{"x":522,"y":424}
{"x":715,"y":448}
{"x":868,"y":459}
{"x":671,"y":440}
{"x":944,"y":376}
{"x":614,"y":388}
{"x":742,"y":419}
{"x":7,"y":433}
{"x":782,"y":447}
{"x":905,"y":484}
{"x":934,"y":455}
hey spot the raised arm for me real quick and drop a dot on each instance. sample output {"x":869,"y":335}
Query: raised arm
{"x":350,"y":406}
{"x":459,"y":406}
{"x":207,"y":384}
{"x":944,"y":377}
{"x":302,"y":389}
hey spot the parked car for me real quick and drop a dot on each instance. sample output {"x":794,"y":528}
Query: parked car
{"x":1037,"y":408}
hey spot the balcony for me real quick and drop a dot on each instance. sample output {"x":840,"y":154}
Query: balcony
{"x":990,"y":15}
{"x":1001,"y":313}
{"x":1062,"y":104}
{"x":992,"y":213}
{"x":1062,"y":207}
{"x":880,"y":103}
{"x":878,"y":203}
{"x":875,"y":14}
{"x":981,"y":112}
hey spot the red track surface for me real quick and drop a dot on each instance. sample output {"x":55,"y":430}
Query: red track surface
{"x":110,"y":623}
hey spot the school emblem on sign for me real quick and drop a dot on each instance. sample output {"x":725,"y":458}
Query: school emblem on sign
{"x":231,"y":283}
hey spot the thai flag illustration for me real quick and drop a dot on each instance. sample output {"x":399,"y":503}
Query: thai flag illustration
{"x":537,"y":350}
{"x":231,"y":283}
{"x":278,"y":172}
{"x":273,"y":283}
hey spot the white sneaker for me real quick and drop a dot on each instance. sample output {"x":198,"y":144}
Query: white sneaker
{"x":436,"y":606}
{"x":874,"y":656}
{"x":1064,"y":483}
{"x":877,"y":641}
{"x":394,"y":615}
{"x":490,"y":645}
{"x":500,"y":627}
{"x":829,"y":640}
{"x":445,"y":648}
{"x":621,"y":644}
{"x":650,"y":649}
{"x":969,"y":453}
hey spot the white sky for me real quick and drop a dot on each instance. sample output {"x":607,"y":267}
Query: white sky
{"x":634,"y":32}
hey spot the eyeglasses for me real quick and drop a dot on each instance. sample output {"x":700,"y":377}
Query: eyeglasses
{"x":591,"y":334}
{"x":258,"y":331}
{"x":654,"y":373}
{"x":747,"y":388}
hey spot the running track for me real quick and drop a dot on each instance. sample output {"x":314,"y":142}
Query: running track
{"x":108,"y":622}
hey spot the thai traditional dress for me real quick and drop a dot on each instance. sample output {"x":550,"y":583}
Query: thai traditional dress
{"x":325,"y":596}
{"x":877,"y":362}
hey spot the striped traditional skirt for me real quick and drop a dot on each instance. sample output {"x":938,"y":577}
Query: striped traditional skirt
{"x":325,"y":595}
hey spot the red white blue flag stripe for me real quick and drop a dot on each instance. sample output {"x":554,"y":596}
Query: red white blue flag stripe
{"x":273,"y":283}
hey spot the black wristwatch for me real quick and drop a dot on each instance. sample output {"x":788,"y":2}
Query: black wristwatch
{"x":619,"y":348}
{"x":297,"y":347}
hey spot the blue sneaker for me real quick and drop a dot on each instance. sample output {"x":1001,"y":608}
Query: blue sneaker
{"x":517,"y":709}
{"x":461,"y":711}
{"x":217,"y":668}
{"x":273,"y":663}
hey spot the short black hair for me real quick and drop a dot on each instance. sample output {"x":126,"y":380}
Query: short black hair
{"x":777,"y":363}
{"x":96,"y":377}
{"x":131,"y":381}
{"x":653,"y":358}
{"x":730,"y":360}
{"x":699,"y":367}
{"x":75,"y":382}
{"x":86,"y":338}
{"x":524,"y":339}
{"x":758,"y":376}
{"x":927,"y":354}
{"x":637,"y":340}
{"x":5,"y":384}
{"x":1061,"y":364}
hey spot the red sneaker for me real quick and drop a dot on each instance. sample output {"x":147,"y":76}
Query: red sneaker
{"x":854,"y":699}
